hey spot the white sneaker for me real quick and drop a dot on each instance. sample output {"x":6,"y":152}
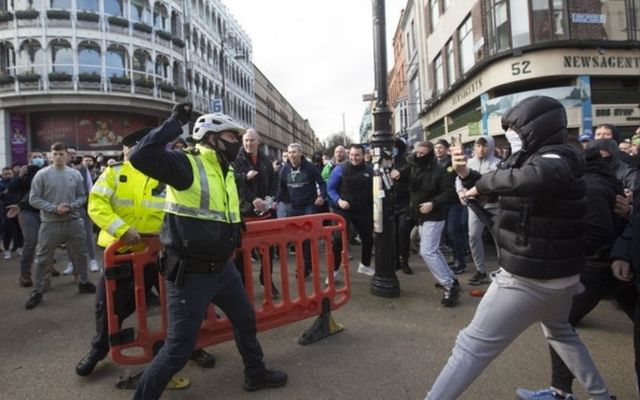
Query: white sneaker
{"x":363,"y":269}
{"x":93,"y":266}
{"x":68,"y":270}
{"x":7,"y":255}
{"x":336,"y":275}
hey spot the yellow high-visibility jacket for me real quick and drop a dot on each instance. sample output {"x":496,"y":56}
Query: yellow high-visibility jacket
{"x":124,"y":197}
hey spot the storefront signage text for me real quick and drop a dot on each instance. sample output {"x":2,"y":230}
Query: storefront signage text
{"x":601,"y":62}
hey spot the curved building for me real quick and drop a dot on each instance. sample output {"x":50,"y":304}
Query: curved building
{"x":88,"y":72}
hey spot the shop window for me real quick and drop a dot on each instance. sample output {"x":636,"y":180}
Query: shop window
{"x":88,"y":5}
{"x":89,"y":58}
{"x":116,"y":61}
{"x":113,"y":7}
{"x":465,"y":36}
{"x":439,"y":74}
{"x":61,"y":57}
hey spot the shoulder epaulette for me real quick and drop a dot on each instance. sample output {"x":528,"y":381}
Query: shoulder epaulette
{"x":193,"y":152}
{"x":116,"y":163}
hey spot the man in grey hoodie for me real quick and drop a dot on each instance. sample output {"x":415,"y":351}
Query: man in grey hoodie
{"x":59,"y":193}
{"x":483,"y":161}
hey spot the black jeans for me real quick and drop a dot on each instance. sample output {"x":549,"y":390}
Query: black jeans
{"x":598,"y":283}
{"x":187,"y":306}
{"x":125,"y":305}
{"x":363,"y":223}
{"x":404,"y":224}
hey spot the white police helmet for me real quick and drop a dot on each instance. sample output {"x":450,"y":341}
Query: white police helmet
{"x":215,"y":123}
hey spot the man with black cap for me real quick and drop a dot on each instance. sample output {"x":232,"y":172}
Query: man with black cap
{"x":126,"y":204}
{"x":201,"y":231}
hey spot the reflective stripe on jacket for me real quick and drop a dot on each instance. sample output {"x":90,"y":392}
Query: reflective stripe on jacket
{"x":124,"y":197}
{"x":211,"y":196}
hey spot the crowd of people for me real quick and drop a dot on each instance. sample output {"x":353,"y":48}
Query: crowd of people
{"x":563,"y":221}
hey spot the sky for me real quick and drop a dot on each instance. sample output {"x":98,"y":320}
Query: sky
{"x":318,"y":54}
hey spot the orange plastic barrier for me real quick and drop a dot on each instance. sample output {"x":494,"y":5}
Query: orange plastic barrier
{"x":310,"y":298}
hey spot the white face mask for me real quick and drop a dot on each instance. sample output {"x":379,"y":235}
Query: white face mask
{"x":514,"y":140}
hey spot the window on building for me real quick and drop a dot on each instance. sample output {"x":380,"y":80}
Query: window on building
{"x":140,"y":11}
{"x":31,"y":57}
{"x":162,"y":68}
{"x":451,"y":63}
{"x":89,"y":57}
{"x":113,"y":7}
{"x":7,"y":58}
{"x":88,"y":5}
{"x":434,"y":11}
{"x":61,"y":56}
{"x":414,"y":98}
{"x":28,"y":4}
{"x":64,"y":4}
{"x":116,"y":61}
{"x":465,"y":37}
{"x":540,"y":20}
{"x":178,"y":77}
{"x":616,"y":26}
{"x":161,"y":17}
{"x":498,"y":25}
{"x":438,"y":70}
{"x":519,"y":23}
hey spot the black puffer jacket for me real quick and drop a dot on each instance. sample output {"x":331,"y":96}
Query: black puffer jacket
{"x":540,"y":228}
{"x":429,"y":182}
{"x":602,"y":225}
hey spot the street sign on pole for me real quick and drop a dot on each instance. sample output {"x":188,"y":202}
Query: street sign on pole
{"x":215,"y":106}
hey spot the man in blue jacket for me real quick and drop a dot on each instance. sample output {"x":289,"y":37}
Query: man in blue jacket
{"x":350,"y":189}
{"x":301,"y":182}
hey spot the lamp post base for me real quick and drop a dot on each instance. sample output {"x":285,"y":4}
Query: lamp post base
{"x":385,"y":287}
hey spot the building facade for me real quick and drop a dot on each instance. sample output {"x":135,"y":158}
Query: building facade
{"x":398,"y":88}
{"x":482,"y":57}
{"x":89,"y":72}
{"x":277,"y":122}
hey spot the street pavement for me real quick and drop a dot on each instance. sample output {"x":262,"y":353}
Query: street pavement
{"x":390,"y":348}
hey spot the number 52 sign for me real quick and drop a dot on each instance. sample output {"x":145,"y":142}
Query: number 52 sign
{"x":521,"y":68}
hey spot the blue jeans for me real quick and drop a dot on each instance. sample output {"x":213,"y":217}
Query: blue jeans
{"x":306,"y":246}
{"x":187,"y":306}
{"x":457,"y":231}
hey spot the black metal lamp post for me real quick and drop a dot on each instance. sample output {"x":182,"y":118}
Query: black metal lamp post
{"x":384,"y":283}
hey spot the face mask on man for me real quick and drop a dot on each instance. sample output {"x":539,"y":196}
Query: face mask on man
{"x":230,"y":150}
{"x":38,"y":162}
{"x":514,"y":140}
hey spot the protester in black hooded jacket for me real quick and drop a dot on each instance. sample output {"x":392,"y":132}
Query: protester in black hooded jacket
{"x":626,"y":266}
{"x":602,"y":228}
{"x":540,"y":236}
{"x":404,"y":218}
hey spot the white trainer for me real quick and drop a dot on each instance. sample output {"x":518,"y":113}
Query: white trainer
{"x":68,"y":270}
{"x":364,"y":269}
{"x":7,"y":255}
{"x":336,"y":275}
{"x":93,"y":266}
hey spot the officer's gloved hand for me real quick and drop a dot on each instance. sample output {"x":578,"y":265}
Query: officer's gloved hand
{"x":182,"y":112}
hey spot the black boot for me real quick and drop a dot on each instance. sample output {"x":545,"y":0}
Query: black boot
{"x":404,"y":265}
{"x":88,"y":363}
